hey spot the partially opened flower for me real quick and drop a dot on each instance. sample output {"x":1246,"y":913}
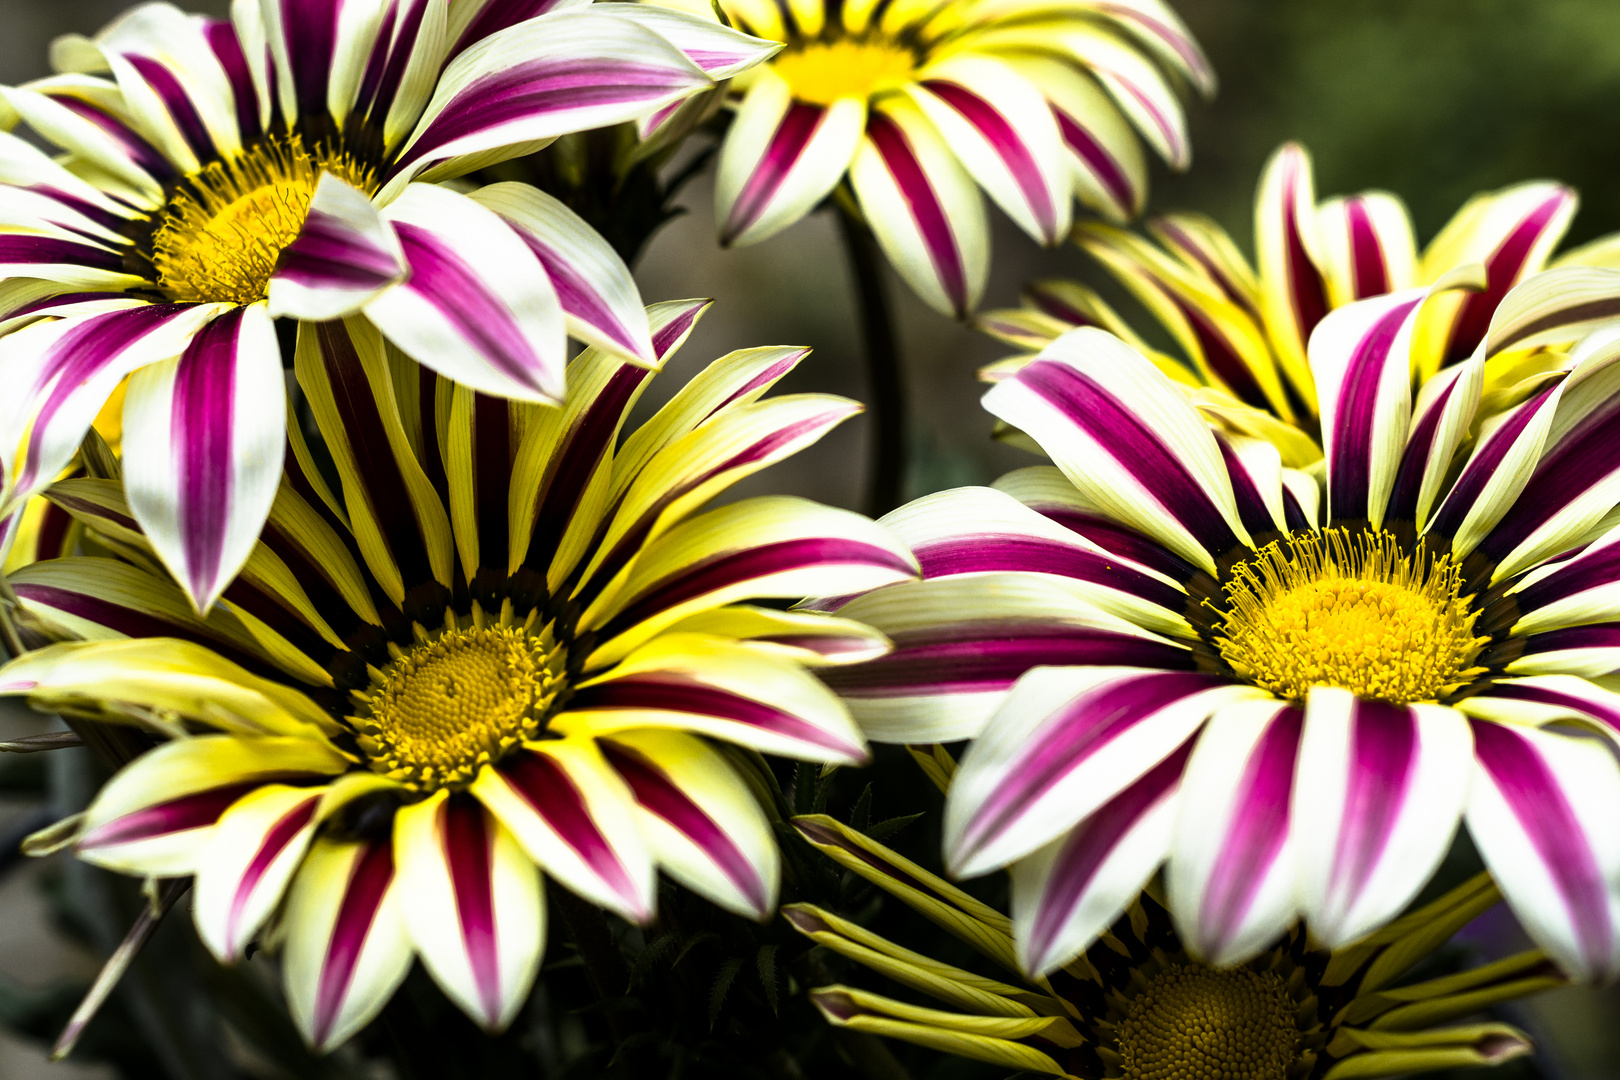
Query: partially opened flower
{"x":921,"y":104}
{"x":1243,"y":331}
{"x":218,"y":174}
{"x":1139,"y":1006}
{"x":1172,"y":646}
{"x":501,"y":645}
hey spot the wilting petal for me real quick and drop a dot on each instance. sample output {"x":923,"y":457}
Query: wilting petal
{"x":1064,"y":742}
{"x":780,"y":158}
{"x":204,"y":437}
{"x":1541,"y":810}
{"x":155,"y":818}
{"x":594,"y":286}
{"x":923,"y":207}
{"x":1366,"y":246}
{"x":472,"y":904}
{"x":1379,"y":792}
{"x":347,"y":949}
{"x":343,"y":257}
{"x":723,"y":689}
{"x":572,"y":814}
{"x":563,"y":72}
{"x":1232,"y":865}
{"x":1128,"y":440}
{"x":1004,"y":134}
{"x":1065,"y":895}
{"x":255,"y":849}
{"x":700,"y":817}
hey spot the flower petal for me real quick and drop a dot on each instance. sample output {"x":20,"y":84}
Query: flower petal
{"x":256,"y":847}
{"x":1441,"y":418}
{"x":1293,"y":292}
{"x":343,"y":257}
{"x":472,"y":904}
{"x":1367,"y":247}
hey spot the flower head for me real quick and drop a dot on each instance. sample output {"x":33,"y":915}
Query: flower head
{"x":1138,"y":1006}
{"x":1292,"y":686}
{"x":215,"y":175}
{"x":920,"y":104}
{"x":1243,"y":329}
{"x":500,"y":644}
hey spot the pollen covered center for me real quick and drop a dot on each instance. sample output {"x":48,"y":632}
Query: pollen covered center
{"x":1353,"y":611}
{"x":458,"y":702}
{"x":1196,"y":1023}
{"x":220,"y":235}
{"x":823,"y":72}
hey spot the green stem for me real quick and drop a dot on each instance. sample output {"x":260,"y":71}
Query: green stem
{"x":886,"y":391}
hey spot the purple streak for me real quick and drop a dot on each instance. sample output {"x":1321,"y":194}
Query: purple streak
{"x":786,"y":146}
{"x":924,"y":205}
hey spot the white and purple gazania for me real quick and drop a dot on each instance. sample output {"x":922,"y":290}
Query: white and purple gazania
{"x":1291,"y":686}
{"x":218,"y":175}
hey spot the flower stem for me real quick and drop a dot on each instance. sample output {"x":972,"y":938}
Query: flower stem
{"x":886,"y":391}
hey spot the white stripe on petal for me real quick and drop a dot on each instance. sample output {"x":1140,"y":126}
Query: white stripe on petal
{"x":343,"y":257}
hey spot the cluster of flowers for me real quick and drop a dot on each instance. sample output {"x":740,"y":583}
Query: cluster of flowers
{"x":420,"y":622}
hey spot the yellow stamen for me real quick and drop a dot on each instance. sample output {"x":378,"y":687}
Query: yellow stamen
{"x":223,"y":230}
{"x":821,"y":73}
{"x":1196,"y":1023}
{"x":459,"y":701}
{"x":1329,"y":609}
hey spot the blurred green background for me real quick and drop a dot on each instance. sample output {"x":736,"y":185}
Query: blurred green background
{"x":1430,"y":99}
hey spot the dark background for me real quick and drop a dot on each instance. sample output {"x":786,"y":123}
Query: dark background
{"x":1431,"y":99}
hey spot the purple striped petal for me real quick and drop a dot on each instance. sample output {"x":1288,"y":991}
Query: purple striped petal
{"x":254,"y":852}
{"x":1517,"y":434}
{"x":488,"y":16}
{"x":195,"y":810}
{"x":343,"y":257}
{"x":1293,"y":291}
{"x":363,"y":896}
{"x":770,"y":180}
{"x":1512,"y":257}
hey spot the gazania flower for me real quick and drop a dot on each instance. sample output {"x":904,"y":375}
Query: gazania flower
{"x":1171,"y":646}
{"x":919,"y":103}
{"x":222,"y":174}
{"x":501,"y":646}
{"x":1140,"y":1006}
{"x":1243,"y":332}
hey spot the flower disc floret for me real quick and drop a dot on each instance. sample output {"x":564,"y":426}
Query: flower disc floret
{"x":1196,"y":1023}
{"x":822,"y":72}
{"x":458,"y":702}
{"x":222,"y":232}
{"x":1336,"y":608}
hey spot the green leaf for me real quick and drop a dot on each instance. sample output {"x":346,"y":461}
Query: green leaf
{"x":804,"y":787}
{"x":656,"y":949}
{"x":767,"y":974}
{"x":692,"y":943}
{"x":722,"y":985}
{"x":884,"y":829}
{"x":860,"y":817}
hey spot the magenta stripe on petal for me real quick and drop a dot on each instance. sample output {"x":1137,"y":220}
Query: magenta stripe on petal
{"x":577,"y":295}
{"x":194,"y":811}
{"x":498,"y":15}
{"x":1097,"y":159}
{"x":926,"y":212}
{"x":1251,"y":506}
{"x":1134,"y":446}
{"x":1258,"y":829}
{"x":363,"y":895}
{"x":282,"y":833}
{"x":654,"y":790}
{"x":665,"y":337}
{"x":23,"y":249}
{"x":1597,"y":636}
{"x":1482,"y":467}
{"x":469,"y":854}
{"x":1599,"y":568}
{"x":202,"y":440}
{"x":1350,"y":470}
{"x":1029,"y":554}
{"x":1093,"y":841}
{"x":311,"y":31}
{"x":765,"y":378}
{"x":547,"y":788}
{"x":977,"y":659}
{"x":1502,"y":269}
{"x":1219,"y":354}
{"x":227,"y":49}
{"x":1603,"y":637}
{"x":328,"y":253}
{"x":1119,"y":539}
{"x":1383,"y":763}
{"x":799,"y":125}
{"x":1195,"y":251}
{"x":1305,"y":284}
{"x":1069,"y":738}
{"x":1535,"y":797}
{"x":1368,"y":275}
{"x":142,"y":153}
{"x":177,"y":103}
{"x":674,"y":693}
{"x":1008,"y":145}
{"x":1403,"y":497}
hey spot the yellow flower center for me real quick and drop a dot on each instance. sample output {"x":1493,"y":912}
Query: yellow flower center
{"x":823,"y":72}
{"x":223,"y":230}
{"x":458,"y":702}
{"x":1195,"y":1023}
{"x":1331,"y":609}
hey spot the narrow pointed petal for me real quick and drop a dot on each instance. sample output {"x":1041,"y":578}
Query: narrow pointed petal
{"x":716,"y":48}
{"x":1380,"y":791}
{"x":343,"y":257}
{"x":347,"y":950}
{"x":1441,"y":416}
{"x":1367,"y":247}
{"x":256,"y":848}
{"x":478,"y":306}
{"x":1233,"y":861}
{"x":1554,"y":306}
{"x":700,"y":817}
{"x":472,"y":904}
{"x":1293,"y":292}
{"x":1106,"y":163}
{"x":572,"y":814}
{"x":1064,"y":742}
{"x":808,"y":637}
{"x":1541,"y":810}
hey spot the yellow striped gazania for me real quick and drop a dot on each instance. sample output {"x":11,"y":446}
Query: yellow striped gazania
{"x":1137,"y":1005}
{"x":501,"y":643}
